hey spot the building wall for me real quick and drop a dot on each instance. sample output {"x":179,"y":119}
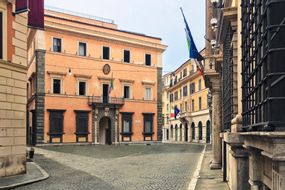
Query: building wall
{"x":13,"y":92}
{"x":187,"y":115}
{"x":90,"y":69}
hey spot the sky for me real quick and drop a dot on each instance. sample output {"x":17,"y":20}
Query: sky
{"x":158,"y":18}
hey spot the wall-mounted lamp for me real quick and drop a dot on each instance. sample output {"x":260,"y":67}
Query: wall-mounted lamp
{"x":69,"y":72}
{"x":216,"y":3}
{"x":214,"y":23}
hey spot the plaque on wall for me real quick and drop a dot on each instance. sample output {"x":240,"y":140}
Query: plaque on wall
{"x":106,"y":69}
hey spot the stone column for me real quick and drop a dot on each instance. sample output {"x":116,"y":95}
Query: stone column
{"x":255,"y":168}
{"x":216,"y":130}
{"x":40,"y":96}
{"x":278,"y":174}
{"x":96,"y":139}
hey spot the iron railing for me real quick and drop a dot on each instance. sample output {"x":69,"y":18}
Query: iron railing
{"x":227,"y":72}
{"x":263,"y":64}
{"x":105,"y":100}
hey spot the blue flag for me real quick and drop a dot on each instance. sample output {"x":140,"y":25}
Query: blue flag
{"x":176,"y":111}
{"x":193,"y":52}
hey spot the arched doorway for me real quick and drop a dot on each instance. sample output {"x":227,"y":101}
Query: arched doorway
{"x":176,"y":132}
{"x":208,"y":137}
{"x":200,"y":127}
{"x":180,"y":139}
{"x":193,"y":130}
{"x":167,"y":134}
{"x":105,"y":131}
{"x":186,"y":132}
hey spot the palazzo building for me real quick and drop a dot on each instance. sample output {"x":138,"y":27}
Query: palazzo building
{"x":13,"y":68}
{"x":245,"y":74}
{"x":90,"y":82}
{"x":185,"y":88}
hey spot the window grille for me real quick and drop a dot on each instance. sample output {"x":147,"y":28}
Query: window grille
{"x":263,"y":65}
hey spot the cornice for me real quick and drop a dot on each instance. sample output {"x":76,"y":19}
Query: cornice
{"x":83,"y":76}
{"x":104,"y":36}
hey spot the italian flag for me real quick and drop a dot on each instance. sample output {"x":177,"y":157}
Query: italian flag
{"x":111,"y":85}
{"x":172,"y":115}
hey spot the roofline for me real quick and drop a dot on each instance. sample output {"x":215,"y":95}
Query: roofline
{"x":187,"y":61}
{"x":80,"y":22}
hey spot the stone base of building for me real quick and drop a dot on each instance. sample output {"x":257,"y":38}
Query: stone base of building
{"x":255,"y":160}
{"x":13,"y":114}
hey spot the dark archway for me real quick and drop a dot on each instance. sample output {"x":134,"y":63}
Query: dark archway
{"x":171,"y":132}
{"x":193,"y":130}
{"x":200,"y":127}
{"x":176,"y":132}
{"x":208,"y":136}
{"x":186,"y":132}
{"x":105,"y":131}
{"x":180,"y":132}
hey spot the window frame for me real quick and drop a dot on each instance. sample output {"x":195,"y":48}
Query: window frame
{"x":53,"y":46}
{"x":1,"y":34}
{"x":124,"y":60}
{"x":200,"y":103}
{"x":61,"y":85}
{"x":129,"y":95}
{"x":146,"y":60}
{"x":145,"y":93}
{"x":79,"y":43}
{"x":193,"y":105}
{"x":148,"y":117}
{"x":78,"y":87}
{"x":109,"y":52}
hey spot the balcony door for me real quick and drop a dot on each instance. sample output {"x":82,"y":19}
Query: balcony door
{"x":105,"y":93}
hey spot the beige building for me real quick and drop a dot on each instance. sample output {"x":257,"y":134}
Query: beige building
{"x":185,"y":89}
{"x":245,"y":73}
{"x":13,"y":67}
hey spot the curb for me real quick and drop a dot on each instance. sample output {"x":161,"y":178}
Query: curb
{"x":195,"y":177}
{"x":45,"y":175}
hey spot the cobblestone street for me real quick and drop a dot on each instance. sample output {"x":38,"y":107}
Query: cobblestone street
{"x":117,"y":167}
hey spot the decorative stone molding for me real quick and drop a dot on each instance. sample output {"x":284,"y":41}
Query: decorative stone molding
{"x":83,"y":76}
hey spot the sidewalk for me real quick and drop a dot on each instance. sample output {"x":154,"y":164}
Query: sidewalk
{"x":34,"y":174}
{"x":210,"y":179}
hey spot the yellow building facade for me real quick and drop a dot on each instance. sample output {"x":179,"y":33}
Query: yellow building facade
{"x":13,"y":68}
{"x":185,"y":89}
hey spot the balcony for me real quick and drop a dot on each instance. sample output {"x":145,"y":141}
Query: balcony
{"x":105,"y":101}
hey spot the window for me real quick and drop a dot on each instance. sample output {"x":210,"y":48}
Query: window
{"x":106,"y":53}
{"x":193,"y":106}
{"x":127,"y":122}
{"x":171,"y":97}
{"x":1,"y":36}
{"x":192,"y":88}
{"x":167,"y":107}
{"x":148,"y":123}
{"x":56,"y":45}
{"x":200,"y":84}
{"x":147,"y":94}
{"x":180,"y":93}
{"x":82,"y":49}
{"x":185,"y":106}
{"x":126,"y":56}
{"x":176,"y":95}
{"x":82,"y":88}
{"x":200,"y":103}
{"x":126,"y":92}
{"x":185,"y":91}
{"x":56,"y":124}
{"x":82,"y":125}
{"x":184,"y":72}
{"x":56,"y":86}
{"x":148,"y":59}
{"x":148,"y":126}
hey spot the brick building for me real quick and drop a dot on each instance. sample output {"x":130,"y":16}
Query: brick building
{"x":72,"y":66}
